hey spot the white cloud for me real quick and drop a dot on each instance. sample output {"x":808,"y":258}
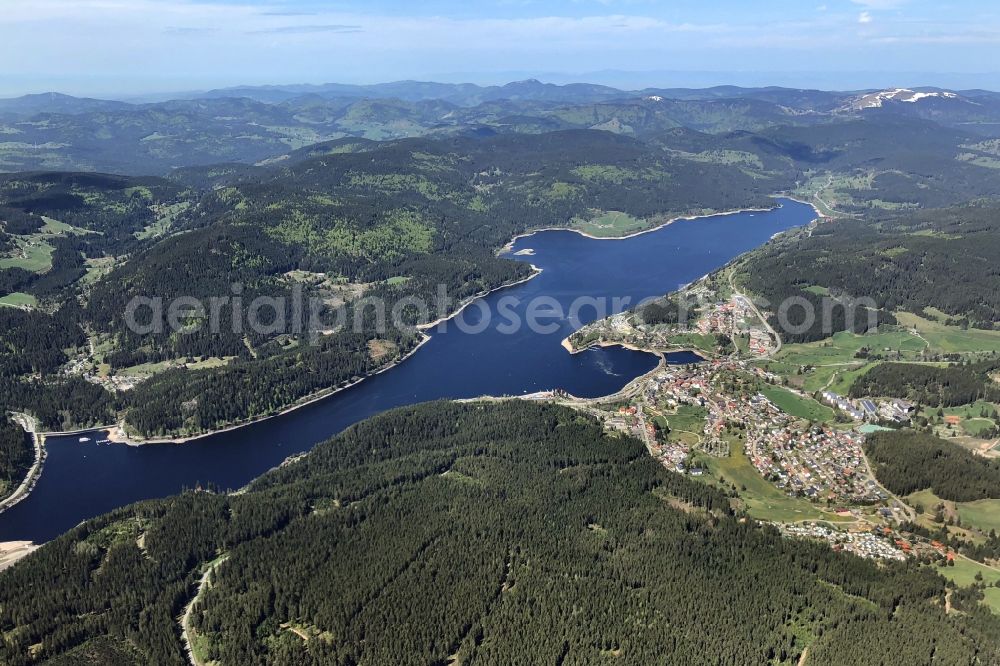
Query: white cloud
{"x":865,"y":17}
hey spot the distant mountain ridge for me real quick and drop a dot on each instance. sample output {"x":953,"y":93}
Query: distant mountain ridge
{"x":254,"y":124}
{"x":471,"y":94}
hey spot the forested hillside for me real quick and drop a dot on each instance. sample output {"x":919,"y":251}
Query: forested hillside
{"x":487,"y":533}
{"x":958,"y":384}
{"x":353,"y":217}
{"x":15,"y":456}
{"x":946,"y":259}
{"x":908,"y":461}
{"x":337,"y":221}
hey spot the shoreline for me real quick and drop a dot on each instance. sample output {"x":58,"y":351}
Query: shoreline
{"x":12,"y":551}
{"x":550,"y":394}
{"x":536,"y":271}
{"x":116,"y":435}
{"x":35,"y":471}
{"x":680,"y":218}
{"x":820,"y":214}
{"x":568,"y":346}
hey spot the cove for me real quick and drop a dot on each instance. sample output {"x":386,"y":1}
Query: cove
{"x":83,"y":479}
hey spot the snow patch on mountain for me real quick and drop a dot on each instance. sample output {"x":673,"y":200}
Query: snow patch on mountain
{"x":877,"y":99}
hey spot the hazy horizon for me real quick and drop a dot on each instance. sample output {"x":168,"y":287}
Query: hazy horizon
{"x":623,"y":80}
{"x":121,"y":48}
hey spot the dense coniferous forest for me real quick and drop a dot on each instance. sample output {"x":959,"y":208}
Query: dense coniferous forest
{"x":943,"y":259}
{"x":958,"y":384}
{"x":908,"y":461}
{"x":498,"y":532}
{"x":15,"y":456}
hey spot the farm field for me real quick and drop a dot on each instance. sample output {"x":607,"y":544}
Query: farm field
{"x":19,"y":300}
{"x":950,"y":339}
{"x":796,"y":405}
{"x":833,"y":364}
{"x":31,"y":254}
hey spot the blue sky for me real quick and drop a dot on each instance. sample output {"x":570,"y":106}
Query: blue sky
{"x":139,"y":46}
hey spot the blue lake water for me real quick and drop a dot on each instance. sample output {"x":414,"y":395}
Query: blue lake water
{"x":83,"y":479}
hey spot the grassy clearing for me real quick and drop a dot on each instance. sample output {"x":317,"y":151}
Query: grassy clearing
{"x":166,"y":219}
{"x":397,"y":280}
{"x":687,"y":418}
{"x":964,"y":574}
{"x":19,"y":300}
{"x":31,"y":254}
{"x":704,"y":342}
{"x":56,"y":228}
{"x":977,"y":427}
{"x":991,"y":597}
{"x":150,"y":369}
{"x":950,"y":339}
{"x":972,"y":422}
{"x":843,"y":379}
{"x":833,"y":363}
{"x":842,"y":347}
{"x":211,"y":362}
{"x":96,"y":269}
{"x":796,"y":405}
{"x":983,"y":515}
{"x":610,"y":224}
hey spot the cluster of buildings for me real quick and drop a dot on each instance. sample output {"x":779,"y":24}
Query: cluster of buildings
{"x":871,"y":544}
{"x":737,"y":318}
{"x":867,"y":409}
{"x":819,"y":462}
{"x":83,"y":367}
{"x":698,"y":386}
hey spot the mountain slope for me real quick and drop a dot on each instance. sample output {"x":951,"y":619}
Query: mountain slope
{"x":490,"y":533}
{"x":339,"y":220}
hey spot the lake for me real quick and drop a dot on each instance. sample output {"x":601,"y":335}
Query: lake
{"x":83,"y":479}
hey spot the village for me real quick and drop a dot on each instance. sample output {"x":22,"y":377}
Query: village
{"x":702,"y":322}
{"x":689,"y":414}
{"x":819,"y":462}
{"x":684,"y":413}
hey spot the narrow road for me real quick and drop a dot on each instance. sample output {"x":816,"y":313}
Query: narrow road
{"x":833,"y":211}
{"x":185,"y":619}
{"x":910,"y":512}
{"x":30,"y":426}
{"x":753,"y":307}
